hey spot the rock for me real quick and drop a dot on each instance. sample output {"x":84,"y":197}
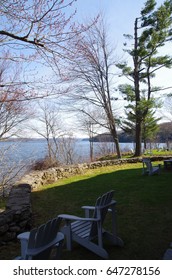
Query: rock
{"x":3,"y":229}
{"x":18,"y":213}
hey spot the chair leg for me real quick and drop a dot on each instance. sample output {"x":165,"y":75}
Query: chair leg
{"x":115,"y":240}
{"x":114,"y":226}
{"x":93,"y":247}
{"x":100,"y":238}
{"x":23,"y":237}
{"x":112,"y":237}
{"x":101,"y":252}
{"x":58,"y":248}
{"x":66,"y":230}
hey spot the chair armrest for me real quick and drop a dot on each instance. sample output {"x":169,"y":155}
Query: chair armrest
{"x":88,"y":207}
{"x":24,"y":235}
{"x":76,"y":218}
{"x":88,"y":210}
{"x":92,"y":208}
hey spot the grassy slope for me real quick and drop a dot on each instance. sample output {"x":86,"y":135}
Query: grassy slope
{"x":144,"y":209}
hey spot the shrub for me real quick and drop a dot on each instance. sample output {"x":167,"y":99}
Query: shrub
{"x":45,"y":163}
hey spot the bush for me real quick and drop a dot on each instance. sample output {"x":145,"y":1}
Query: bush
{"x":45,"y":163}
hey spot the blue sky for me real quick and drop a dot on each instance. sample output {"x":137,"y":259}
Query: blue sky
{"x":119,"y":13}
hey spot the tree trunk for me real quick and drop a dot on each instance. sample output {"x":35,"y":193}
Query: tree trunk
{"x":138,"y":140}
{"x":112,"y":127}
{"x":91,"y":148}
{"x":138,"y":133}
{"x":116,"y":141}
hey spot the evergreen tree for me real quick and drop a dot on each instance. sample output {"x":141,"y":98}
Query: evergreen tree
{"x":152,"y":30}
{"x":150,"y":125}
{"x":149,"y":128}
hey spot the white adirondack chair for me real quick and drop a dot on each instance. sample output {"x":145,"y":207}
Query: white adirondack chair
{"x":90,"y":228}
{"x":39,"y":242}
{"x":148,"y":168}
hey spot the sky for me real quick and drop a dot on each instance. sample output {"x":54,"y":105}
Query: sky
{"x":119,"y":13}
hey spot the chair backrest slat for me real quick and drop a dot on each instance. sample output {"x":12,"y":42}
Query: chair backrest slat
{"x":101,"y":207}
{"x":148,"y":163}
{"x":44,"y":234}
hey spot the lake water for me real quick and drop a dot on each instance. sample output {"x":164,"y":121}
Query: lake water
{"x":32,"y":150}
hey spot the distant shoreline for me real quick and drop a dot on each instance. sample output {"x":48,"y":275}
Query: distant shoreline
{"x":77,"y":138}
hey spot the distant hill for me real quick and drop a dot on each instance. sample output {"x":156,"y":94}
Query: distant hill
{"x":163,"y":135}
{"x":107,"y":137}
{"x":165,"y":132}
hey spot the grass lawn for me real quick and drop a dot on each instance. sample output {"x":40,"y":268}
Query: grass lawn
{"x":144,"y":210}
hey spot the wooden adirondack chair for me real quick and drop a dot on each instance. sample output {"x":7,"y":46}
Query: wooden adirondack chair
{"x":39,"y":242}
{"x":90,"y":228}
{"x":148,"y":168}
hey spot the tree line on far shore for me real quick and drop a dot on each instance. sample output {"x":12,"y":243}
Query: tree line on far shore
{"x":163,"y":135}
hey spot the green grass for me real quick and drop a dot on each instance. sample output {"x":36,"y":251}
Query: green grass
{"x":153,"y":152}
{"x":156,"y":152}
{"x":144,"y":210}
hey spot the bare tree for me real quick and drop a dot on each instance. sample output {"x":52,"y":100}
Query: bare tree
{"x":13,"y":113}
{"x":49,"y":125}
{"x":12,"y":166}
{"x":91,"y":71}
{"x":67,"y":149}
{"x":13,"y":116}
{"x":37,"y":26}
{"x":89,"y":122}
{"x":34,"y":32}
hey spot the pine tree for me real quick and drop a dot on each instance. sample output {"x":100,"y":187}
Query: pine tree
{"x":152,"y":30}
{"x":149,"y":122}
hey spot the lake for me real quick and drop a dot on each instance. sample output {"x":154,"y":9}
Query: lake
{"x":35,"y":149}
{"x":31,"y":150}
